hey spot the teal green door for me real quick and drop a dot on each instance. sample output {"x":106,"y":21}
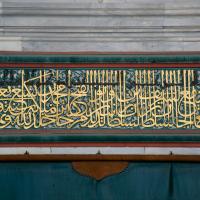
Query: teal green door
{"x":59,"y":181}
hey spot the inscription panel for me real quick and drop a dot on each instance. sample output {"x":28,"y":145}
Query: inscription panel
{"x":128,"y":98}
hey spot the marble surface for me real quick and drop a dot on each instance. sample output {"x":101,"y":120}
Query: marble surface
{"x":100,"y":25}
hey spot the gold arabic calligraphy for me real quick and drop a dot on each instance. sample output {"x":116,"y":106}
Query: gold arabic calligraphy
{"x":131,"y":98}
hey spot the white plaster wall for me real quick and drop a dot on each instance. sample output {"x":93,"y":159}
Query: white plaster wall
{"x":100,"y":25}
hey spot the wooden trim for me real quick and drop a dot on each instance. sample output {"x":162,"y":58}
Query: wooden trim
{"x":99,"y":169}
{"x":129,"y":158}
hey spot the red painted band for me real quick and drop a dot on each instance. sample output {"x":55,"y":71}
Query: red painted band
{"x":101,"y":53}
{"x":104,"y":144}
{"x":100,"y":65}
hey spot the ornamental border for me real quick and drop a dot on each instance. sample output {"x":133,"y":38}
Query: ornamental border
{"x":103,"y":60}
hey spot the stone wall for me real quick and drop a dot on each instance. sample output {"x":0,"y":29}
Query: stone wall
{"x":100,"y":25}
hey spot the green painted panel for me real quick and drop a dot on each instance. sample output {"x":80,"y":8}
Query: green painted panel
{"x":106,"y":58}
{"x":98,"y":137}
{"x":140,"y":181}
